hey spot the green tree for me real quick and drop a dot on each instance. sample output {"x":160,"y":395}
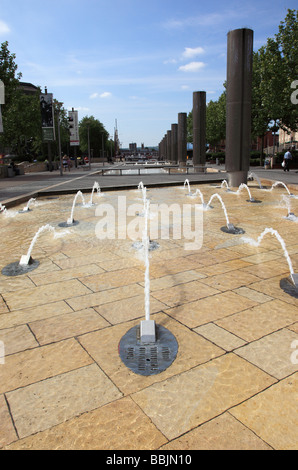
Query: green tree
{"x":189,"y":127}
{"x":275,"y":68}
{"x":216,"y":120}
{"x":22,"y":125}
{"x":21,"y":113}
{"x":287,"y":41}
{"x":60,"y":117}
{"x":98,"y":136}
{"x":8,"y":69}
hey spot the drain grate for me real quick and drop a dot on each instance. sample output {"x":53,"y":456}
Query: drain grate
{"x":16,"y":269}
{"x":233,"y":230}
{"x":65,"y":224}
{"x":148,"y":358}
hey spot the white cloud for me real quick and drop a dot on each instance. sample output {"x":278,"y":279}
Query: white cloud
{"x":192,"y":67}
{"x":190,"y":52}
{"x":4,"y":28}
{"x":170,"y":61}
{"x":106,"y":94}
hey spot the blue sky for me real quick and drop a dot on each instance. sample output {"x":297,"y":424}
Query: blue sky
{"x":135,"y":61}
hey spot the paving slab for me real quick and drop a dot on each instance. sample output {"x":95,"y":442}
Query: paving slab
{"x":222,"y":433}
{"x":198,"y":395}
{"x":44,"y":404}
{"x":271,"y":417}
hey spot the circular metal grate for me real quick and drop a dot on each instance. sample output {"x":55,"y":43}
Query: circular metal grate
{"x":65,"y":224}
{"x":253,"y":200}
{"x":148,"y":358}
{"x":15,"y":269}
{"x":233,"y":230}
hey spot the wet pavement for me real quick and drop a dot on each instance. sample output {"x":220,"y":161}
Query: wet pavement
{"x":229,"y":304}
{"x":82,"y":178}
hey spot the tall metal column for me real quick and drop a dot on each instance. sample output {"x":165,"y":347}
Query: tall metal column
{"x":238,"y":120}
{"x":182,"y":138}
{"x":164,"y":150}
{"x":199,"y":128}
{"x":174,"y":142}
{"x":169,"y":149}
{"x":166,"y":147}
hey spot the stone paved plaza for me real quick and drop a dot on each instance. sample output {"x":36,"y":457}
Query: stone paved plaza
{"x":233,"y":384}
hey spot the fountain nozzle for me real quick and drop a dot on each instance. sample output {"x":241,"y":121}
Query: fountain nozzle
{"x":25,"y":260}
{"x":148,"y":331}
{"x":294,"y":279}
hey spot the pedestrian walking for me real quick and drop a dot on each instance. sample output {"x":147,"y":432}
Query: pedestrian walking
{"x":287,"y":159}
{"x":64,"y":162}
{"x":69,"y":164}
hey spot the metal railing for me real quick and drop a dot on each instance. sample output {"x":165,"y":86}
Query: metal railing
{"x":143,"y":169}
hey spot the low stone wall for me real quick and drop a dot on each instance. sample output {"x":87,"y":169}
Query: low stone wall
{"x":3,"y":171}
{"x":35,"y":167}
{"x":7,"y":172}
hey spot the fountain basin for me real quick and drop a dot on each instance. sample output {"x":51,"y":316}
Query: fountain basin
{"x":294,"y":279}
{"x":291,"y":216}
{"x":153,"y":245}
{"x":17,"y":269}
{"x":148,"y":358}
{"x":230,"y":228}
{"x":69,"y":223}
{"x":290,"y":285}
{"x":24,"y":211}
{"x":253,"y":200}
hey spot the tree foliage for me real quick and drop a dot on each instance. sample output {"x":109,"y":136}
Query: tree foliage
{"x":98,"y":136}
{"x":21,"y":113}
{"x":22,"y":130}
{"x":216,"y":120}
{"x":8,"y":69}
{"x":275,"y":67}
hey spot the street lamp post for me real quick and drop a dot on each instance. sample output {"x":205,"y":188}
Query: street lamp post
{"x":102,"y":149}
{"x":89,"y":155}
{"x":59,"y":138}
{"x":2,"y":101}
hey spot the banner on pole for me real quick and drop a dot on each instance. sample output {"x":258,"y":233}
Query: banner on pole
{"x":47,"y":117}
{"x":73,"y":123}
